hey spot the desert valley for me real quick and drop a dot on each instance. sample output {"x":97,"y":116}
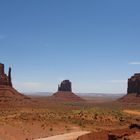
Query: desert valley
{"x":65,"y":115}
{"x":69,"y":69}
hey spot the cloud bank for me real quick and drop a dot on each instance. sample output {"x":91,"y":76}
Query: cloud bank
{"x":134,"y":63}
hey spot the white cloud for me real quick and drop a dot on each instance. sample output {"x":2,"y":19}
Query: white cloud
{"x":134,"y":63}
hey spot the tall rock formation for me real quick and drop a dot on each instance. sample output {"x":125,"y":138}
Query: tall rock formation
{"x":133,"y":90}
{"x":65,"y":93}
{"x":134,"y":84}
{"x":9,"y":77}
{"x":65,"y":86}
{"x":5,"y":79}
{"x":8,"y":95}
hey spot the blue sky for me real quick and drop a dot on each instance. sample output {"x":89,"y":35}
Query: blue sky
{"x":94,"y":43}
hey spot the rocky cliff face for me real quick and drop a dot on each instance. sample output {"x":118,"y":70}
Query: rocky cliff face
{"x":134,"y":84}
{"x":65,"y":86}
{"x":5,"y":79}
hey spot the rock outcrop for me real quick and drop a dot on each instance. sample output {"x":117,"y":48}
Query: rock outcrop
{"x":7,"y":93}
{"x":118,"y":134}
{"x":65,"y":86}
{"x":65,"y":93}
{"x":133,"y":90}
{"x":5,"y":79}
{"x":134,"y":84}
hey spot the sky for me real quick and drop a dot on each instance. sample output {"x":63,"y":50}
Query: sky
{"x":93,"y":43}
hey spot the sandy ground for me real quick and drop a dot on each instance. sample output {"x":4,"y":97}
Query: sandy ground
{"x":132,"y":112}
{"x":135,"y":136}
{"x":44,"y":117}
{"x":69,"y":136}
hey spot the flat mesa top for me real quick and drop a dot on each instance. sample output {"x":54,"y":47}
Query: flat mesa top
{"x":137,"y":74}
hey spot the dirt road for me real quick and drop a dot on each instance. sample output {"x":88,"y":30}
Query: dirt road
{"x":132,"y":112}
{"x":68,"y":136}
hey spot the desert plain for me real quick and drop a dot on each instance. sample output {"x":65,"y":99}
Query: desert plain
{"x":39,"y":117}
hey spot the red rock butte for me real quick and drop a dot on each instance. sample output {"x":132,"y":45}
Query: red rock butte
{"x":134,"y":84}
{"x":7,"y":92}
{"x":65,"y":92}
{"x":133,"y":90}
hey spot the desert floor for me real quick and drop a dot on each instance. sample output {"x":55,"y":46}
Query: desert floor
{"x":41,"y":117}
